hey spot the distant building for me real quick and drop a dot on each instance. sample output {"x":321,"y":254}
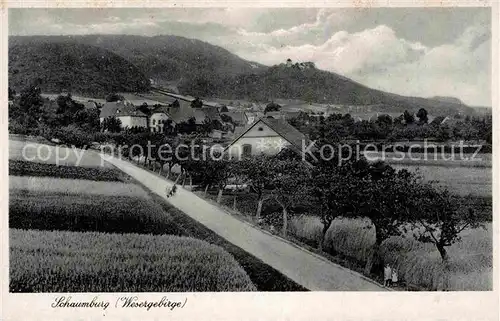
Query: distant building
{"x":125,"y":112}
{"x":159,"y":119}
{"x":252,"y":116}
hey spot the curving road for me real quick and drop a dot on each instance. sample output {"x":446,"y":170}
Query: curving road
{"x":307,"y":269}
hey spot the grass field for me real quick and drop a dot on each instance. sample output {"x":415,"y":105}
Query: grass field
{"x":417,"y":263}
{"x":44,"y":261}
{"x":42,"y":153}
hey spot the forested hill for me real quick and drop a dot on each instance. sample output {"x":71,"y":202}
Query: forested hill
{"x":197,"y":68}
{"x":313,"y":85}
{"x":164,"y":58}
{"x":72,"y":67}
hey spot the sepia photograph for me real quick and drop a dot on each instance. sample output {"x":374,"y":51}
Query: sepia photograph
{"x":249,"y":150}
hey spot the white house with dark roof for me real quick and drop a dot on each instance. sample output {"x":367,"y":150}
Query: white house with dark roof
{"x":125,"y":112}
{"x":267,"y":136}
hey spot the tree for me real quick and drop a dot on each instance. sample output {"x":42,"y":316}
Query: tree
{"x":272,"y":106}
{"x":289,"y":185}
{"x":224,"y":109}
{"x":256,"y":172}
{"x":441,"y":218}
{"x":408,"y":117}
{"x":226,"y":118}
{"x":111,"y":97}
{"x":331,"y":190}
{"x":112,"y":124}
{"x":144,"y":108}
{"x":12,"y":93}
{"x":197,"y":103}
{"x":176,"y":104}
{"x":384,"y":196}
{"x":30,"y":100}
{"x":422,"y":116}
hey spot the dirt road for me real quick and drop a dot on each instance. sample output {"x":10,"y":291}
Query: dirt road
{"x":305,"y":268}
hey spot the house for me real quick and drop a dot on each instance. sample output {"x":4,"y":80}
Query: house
{"x":125,"y":112}
{"x":90,"y":104}
{"x":159,"y":119}
{"x":252,"y":116}
{"x":267,"y":136}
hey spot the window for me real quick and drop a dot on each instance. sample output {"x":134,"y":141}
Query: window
{"x":247,"y":150}
{"x":154,"y":121}
{"x":260,"y":129}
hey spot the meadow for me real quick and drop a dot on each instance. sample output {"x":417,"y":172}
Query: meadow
{"x":57,"y":261}
{"x":417,"y":263}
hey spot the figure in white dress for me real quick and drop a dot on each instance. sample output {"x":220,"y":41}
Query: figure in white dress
{"x":387,"y":275}
{"x":394,"y":277}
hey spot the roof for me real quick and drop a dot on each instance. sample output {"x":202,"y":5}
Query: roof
{"x":119,"y":109}
{"x":89,"y":104}
{"x":282,"y":128}
{"x":139,"y":99}
{"x":238,"y":117}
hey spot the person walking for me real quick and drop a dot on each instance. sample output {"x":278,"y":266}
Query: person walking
{"x":394,"y":277}
{"x":387,"y":275}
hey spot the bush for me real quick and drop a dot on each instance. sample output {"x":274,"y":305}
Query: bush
{"x":73,"y":135}
{"x":42,"y":261}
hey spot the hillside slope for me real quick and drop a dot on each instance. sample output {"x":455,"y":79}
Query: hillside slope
{"x":201,"y":69}
{"x":73,"y":67}
{"x":163,"y":58}
{"x":313,"y":85}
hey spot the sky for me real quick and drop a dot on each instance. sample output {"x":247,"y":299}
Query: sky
{"x":410,"y":51}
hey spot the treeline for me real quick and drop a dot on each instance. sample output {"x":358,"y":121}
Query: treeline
{"x":63,"y":119}
{"x":341,"y":127}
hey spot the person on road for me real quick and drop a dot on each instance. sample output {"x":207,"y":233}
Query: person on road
{"x":387,"y":275}
{"x":394,"y":277}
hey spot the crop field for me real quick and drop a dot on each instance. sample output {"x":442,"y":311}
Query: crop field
{"x":74,"y":186}
{"x":417,"y":263}
{"x":112,"y":214}
{"x":57,"y":261}
{"x":462,"y":177}
{"x":41,"y":153}
{"x":25,"y":168}
{"x":462,"y":181}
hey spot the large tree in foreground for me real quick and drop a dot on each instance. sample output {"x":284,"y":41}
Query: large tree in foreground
{"x":387,"y":198}
{"x":441,"y":218}
{"x":289,"y":181}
